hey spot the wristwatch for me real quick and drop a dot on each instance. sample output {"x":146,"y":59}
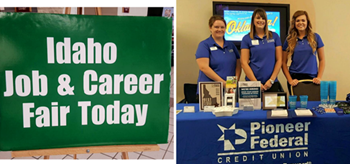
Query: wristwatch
{"x":272,"y":81}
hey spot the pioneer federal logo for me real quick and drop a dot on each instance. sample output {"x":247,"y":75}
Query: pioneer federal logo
{"x":277,"y":141}
{"x":238,"y":136}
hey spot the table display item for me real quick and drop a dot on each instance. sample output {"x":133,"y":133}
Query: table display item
{"x":324,"y":92}
{"x":231,"y":84}
{"x":346,"y":110}
{"x":248,"y":108}
{"x":332,"y":92}
{"x":230,"y":91}
{"x":318,"y":109}
{"x":249,"y":94}
{"x":328,"y":105}
{"x":344,"y":106}
{"x":292,"y":101}
{"x":230,"y":99}
{"x":274,"y":100}
{"x":224,"y":111}
{"x":303,"y":101}
{"x":329,"y":110}
{"x":321,"y":109}
{"x":279,"y":113}
{"x":210,"y":95}
{"x":303,"y":112}
{"x":189,"y":109}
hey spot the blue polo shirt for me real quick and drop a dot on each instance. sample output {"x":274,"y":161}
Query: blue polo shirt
{"x":262,"y":55}
{"x":221,"y":60}
{"x":303,"y":59}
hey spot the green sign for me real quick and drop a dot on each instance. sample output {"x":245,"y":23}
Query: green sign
{"x":75,"y":80}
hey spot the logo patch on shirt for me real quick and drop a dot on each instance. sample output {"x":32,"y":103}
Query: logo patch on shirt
{"x":270,"y":40}
{"x":213,"y":48}
{"x":255,"y":42}
{"x":231,"y":50}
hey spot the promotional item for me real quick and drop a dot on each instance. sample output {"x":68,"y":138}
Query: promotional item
{"x":292,"y":101}
{"x":249,"y":94}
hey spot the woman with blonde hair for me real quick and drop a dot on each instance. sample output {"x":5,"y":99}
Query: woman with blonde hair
{"x":302,"y":44}
{"x":261,"y":53}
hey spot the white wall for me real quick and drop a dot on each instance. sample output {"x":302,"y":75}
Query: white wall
{"x":133,"y":11}
{"x":332,"y":22}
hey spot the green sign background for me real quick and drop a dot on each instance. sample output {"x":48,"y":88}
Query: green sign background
{"x":143,"y":47}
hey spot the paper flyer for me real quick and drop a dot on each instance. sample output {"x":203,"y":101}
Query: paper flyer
{"x":249,"y":94}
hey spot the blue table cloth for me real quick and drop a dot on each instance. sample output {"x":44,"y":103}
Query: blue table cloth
{"x":250,"y":137}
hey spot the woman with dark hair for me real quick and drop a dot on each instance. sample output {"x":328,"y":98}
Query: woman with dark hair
{"x":261,"y":53}
{"x":302,"y":44}
{"x":216,"y":57}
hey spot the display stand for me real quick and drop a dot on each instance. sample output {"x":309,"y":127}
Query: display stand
{"x":230,"y":99}
{"x":84,"y":150}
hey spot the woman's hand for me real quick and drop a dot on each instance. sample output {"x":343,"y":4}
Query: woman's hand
{"x":224,"y":84}
{"x":263,"y":88}
{"x":268,"y":84}
{"x":294,"y":82}
{"x":316,"y":80}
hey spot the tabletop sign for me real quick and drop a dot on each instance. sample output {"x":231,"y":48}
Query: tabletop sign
{"x":189,"y":109}
{"x":75,"y":80}
{"x":249,"y":94}
{"x":210,"y":95}
{"x":274,"y":100}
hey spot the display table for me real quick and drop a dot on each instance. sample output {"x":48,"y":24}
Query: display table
{"x":249,"y":137}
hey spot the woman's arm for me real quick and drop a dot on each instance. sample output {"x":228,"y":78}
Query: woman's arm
{"x":245,"y":54}
{"x":277,"y":67}
{"x":203,"y":64}
{"x":245,"y":64}
{"x":238,"y":69}
{"x":322,"y":65}
{"x":292,"y":82}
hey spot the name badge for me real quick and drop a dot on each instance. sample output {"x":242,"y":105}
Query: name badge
{"x":271,"y":40}
{"x":255,"y":42}
{"x":231,"y":50}
{"x":213,"y":48}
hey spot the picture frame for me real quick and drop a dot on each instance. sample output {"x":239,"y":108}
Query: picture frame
{"x":210,"y":95}
{"x":125,"y":9}
{"x":23,"y":9}
{"x":275,"y":100}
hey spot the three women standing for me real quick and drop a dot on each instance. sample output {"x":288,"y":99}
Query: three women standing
{"x":261,"y":53}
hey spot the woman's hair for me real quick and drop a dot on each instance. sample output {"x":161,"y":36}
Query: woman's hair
{"x":293,"y":33}
{"x":262,"y":14}
{"x":215,"y":18}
